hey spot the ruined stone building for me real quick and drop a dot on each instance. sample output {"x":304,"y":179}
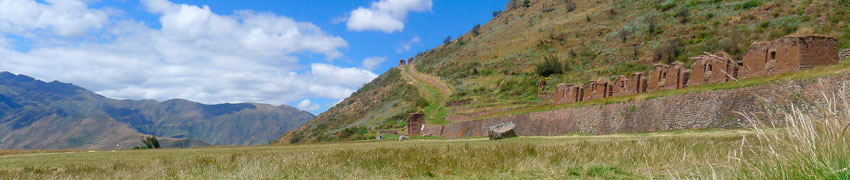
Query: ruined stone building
{"x":410,"y":60}
{"x":401,"y":63}
{"x":621,"y":86}
{"x":637,"y":83}
{"x":415,"y":123}
{"x":790,"y":53}
{"x":657,"y":77}
{"x":787,"y":54}
{"x":597,"y":89}
{"x":713,"y":68}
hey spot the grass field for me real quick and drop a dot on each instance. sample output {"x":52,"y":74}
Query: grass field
{"x":812,"y":144}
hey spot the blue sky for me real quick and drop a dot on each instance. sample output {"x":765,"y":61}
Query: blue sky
{"x":307,"y":54}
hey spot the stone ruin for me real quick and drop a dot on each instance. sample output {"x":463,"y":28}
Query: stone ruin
{"x":401,"y":63}
{"x":415,"y":123}
{"x":597,"y":89}
{"x":657,"y":77}
{"x":713,"y":68}
{"x":789,"y":53}
{"x":410,"y":60}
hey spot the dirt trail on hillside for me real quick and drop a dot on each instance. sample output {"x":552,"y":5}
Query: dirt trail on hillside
{"x":445,"y":91}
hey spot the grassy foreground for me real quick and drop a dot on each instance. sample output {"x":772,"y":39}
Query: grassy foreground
{"x":812,"y":145}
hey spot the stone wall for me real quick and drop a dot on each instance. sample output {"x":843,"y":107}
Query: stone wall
{"x":788,"y":54}
{"x":712,"y":109}
{"x":415,"y":122}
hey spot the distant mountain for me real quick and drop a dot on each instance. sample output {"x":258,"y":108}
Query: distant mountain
{"x":39,"y":115}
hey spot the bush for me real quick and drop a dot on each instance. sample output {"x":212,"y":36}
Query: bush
{"x":447,"y":40}
{"x":526,"y":3}
{"x":422,"y":103}
{"x":549,"y":66}
{"x":476,"y":30}
{"x":150,"y":142}
{"x":748,"y":4}
{"x":497,"y":13}
{"x":669,"y":51}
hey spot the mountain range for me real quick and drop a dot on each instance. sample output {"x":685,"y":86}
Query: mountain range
{"x":53,"y":115}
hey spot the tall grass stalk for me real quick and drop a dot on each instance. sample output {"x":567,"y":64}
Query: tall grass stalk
{"x":813,"y":144}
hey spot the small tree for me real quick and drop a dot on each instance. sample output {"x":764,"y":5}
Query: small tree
{"x":526,"y":3}
{"x":652,"y":22}
{"x":476,"y":30}
{"x":550,"y":65}
{"x":447,"y":40}
{"x":150,"y":142}
{"x":497,"y":13}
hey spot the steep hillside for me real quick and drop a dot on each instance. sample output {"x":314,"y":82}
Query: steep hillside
{"x":383,"y":103}
{"x":498,"y":66}
{"x":39,"y":115}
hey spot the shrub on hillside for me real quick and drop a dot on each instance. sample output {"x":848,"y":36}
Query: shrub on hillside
{"x":476,"y":30}
{"x":497,"y":13}
{"x":669,"y":51}
{"x":549,"y":66}
{"x":447,"y":40}
{"x":150,"y":142}
{"x":526,"y":3}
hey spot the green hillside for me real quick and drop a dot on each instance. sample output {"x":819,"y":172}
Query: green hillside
{"x":494,"y":68}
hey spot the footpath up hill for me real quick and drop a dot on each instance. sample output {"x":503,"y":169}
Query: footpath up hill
{"x":496,"y":67}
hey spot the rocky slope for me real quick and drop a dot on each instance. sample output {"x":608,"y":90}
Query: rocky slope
{"x":40,"y":115}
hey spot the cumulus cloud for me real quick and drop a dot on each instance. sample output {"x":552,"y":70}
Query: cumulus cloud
{"x":404,"y":47}
{"x":307,"y":105}
{"x":371,"y":62}
{"x":385,"y":15}
{"x":196,"y":54}
{"x":62,"y":17}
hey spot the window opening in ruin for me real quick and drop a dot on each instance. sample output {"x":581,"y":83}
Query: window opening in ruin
{"x":773,"y":55}
{"x":709,"y":68}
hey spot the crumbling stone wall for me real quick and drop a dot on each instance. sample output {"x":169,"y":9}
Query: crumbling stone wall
{"x":597,"y":89}
{"x":620,"y":86}
{"x":415,"y":123}
{"x":433,"y":130}
{"x":844,"y":54}
{"x":700,"y":110}
{"x":560,"y":93}
{"x":637,"y":83}
{"x":789,"y":53}
{"x":410,"y":60}
{"x":677,"y":76}
{"x":657,"y":77}
{"x":401,"y":63}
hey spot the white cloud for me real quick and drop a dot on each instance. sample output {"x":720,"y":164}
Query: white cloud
{"x":385,"y":15}
{"x":409,"y":44}
{"x":307,"y":105}
{"x":62,"y":17}
{"x":197,"y":55}
{"x":371,"y":62}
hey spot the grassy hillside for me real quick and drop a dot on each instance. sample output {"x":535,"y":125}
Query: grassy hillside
{"x":492,"y":70}
{"x":383,"y":103}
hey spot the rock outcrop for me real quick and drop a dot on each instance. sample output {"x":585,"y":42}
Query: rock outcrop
{"x":501,"y":131}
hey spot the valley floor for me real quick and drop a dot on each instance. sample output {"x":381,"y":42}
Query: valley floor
{"x":681,"y":154}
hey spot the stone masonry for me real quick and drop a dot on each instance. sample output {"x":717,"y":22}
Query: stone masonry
{"x":415,"y":123}
{"x":789,"y":53}
{"x":698,"y":110}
